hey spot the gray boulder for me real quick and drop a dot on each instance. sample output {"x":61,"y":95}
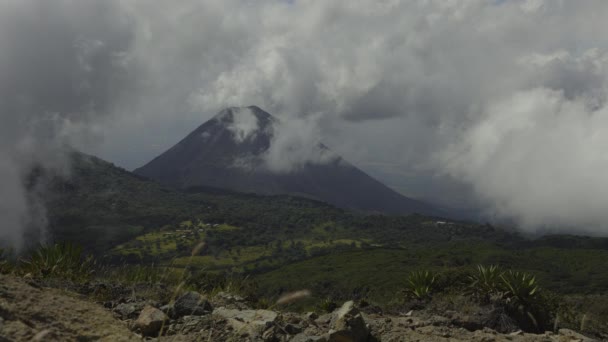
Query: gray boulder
{"x":191,"y":304}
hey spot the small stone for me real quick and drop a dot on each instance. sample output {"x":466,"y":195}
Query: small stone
{"x":307,"y":338}
{"x":293,"y":329}
{"x":311,"y":316}
{"x":150,"y":321}
{"x":44,"y":335}
{"x":253,"y":322}
{"x":573,"y":335}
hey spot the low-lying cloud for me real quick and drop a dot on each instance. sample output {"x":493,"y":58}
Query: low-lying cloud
{"x":504,"y":98}
{"x":60,"y":69}
{"x":295,"y":144}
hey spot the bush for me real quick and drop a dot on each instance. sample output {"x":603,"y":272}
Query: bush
{"x":486,"y":282}
{"x":525,"y":302}
{"x":326,"y":305}
{"x":420,"y":284}
{"x":59,"y":261}
{"x":518,"y":293}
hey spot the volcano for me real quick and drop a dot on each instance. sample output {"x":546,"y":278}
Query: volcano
{"x":231,"y":151}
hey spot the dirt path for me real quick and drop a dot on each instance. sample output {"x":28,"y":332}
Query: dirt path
{"x":29,"y":313}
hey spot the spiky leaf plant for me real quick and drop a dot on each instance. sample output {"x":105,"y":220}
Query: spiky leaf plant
{"x":420,"y":284}
{"x":487,"y":281}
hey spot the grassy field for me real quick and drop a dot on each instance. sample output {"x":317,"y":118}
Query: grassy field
{"x":381,"y":273}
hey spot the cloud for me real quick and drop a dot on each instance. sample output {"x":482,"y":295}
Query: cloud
{"x":504,"y":98}
{"x":539,"y":155}
{"x":295,"y":144}
{"x":60,"y":68}
{"x":243,"y":125}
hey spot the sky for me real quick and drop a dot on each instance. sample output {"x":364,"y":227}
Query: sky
{"x":495,"y":105}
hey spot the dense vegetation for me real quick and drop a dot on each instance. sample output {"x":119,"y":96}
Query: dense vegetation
{"x":284,"y":243}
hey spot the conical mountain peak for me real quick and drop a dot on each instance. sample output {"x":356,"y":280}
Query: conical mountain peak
{"x":236,"y":149}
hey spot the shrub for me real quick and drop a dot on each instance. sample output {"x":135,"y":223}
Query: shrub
{"x":59,"y":260}
{"x":525,"y":302}
{"x":518,"y":293}
{"x":326,"y":305}
{"x":486,"y":282}
{"x":420,"y":284}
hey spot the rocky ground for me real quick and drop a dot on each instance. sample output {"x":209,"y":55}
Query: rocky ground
{"x":32,"y":312}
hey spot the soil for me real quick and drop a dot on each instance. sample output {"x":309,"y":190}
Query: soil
{"x":29,"y":312}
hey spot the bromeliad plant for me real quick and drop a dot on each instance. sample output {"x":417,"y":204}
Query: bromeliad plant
{"x":420,"y":284}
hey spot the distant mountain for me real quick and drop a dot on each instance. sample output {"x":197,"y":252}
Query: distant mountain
{"x":229,"y":152}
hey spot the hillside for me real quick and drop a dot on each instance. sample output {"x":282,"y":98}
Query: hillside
{"x":125,"y":217}
{"x":266,"y":246}
{"x":229,"y":152}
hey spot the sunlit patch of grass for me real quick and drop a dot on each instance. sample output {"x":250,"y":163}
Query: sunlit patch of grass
{"x":225,"y":227}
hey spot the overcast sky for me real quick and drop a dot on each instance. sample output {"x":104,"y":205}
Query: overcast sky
{"x":500,"y":104}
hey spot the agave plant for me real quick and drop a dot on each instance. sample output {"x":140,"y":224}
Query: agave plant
{"x":519,"y":286}
{"x":420,"y":284}
{"x":59,"y":260}
{"x":487,"y":281}
{"x":522,"y":296}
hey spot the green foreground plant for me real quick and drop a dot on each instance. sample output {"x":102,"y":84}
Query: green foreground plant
{"x":64,"y":260}
{"x":517,"y":292}
{"x":420,"y":284}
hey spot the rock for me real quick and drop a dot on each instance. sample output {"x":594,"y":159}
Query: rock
{"x":324,"y":319}
{"x":574,"y":336}
{"x":191,"y":304}
{"x":251,"y":322}
{"x":190,"y":324}
{"x":292,"y":329}
{"x":307,"y":338}
{"x":311,"y":316}
{"x":168,"y":309}
{"x":229,"y":301}
{"x":349,"y":325}
{"x":128,"y":310}
{"x":150,"y":321}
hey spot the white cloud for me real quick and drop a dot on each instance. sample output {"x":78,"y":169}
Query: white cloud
{"x":295,"y":144}
{"x":243,"y":125}
{"x":448,"y":88}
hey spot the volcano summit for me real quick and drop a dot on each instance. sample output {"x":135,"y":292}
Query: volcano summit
{"x":232,"y":151}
